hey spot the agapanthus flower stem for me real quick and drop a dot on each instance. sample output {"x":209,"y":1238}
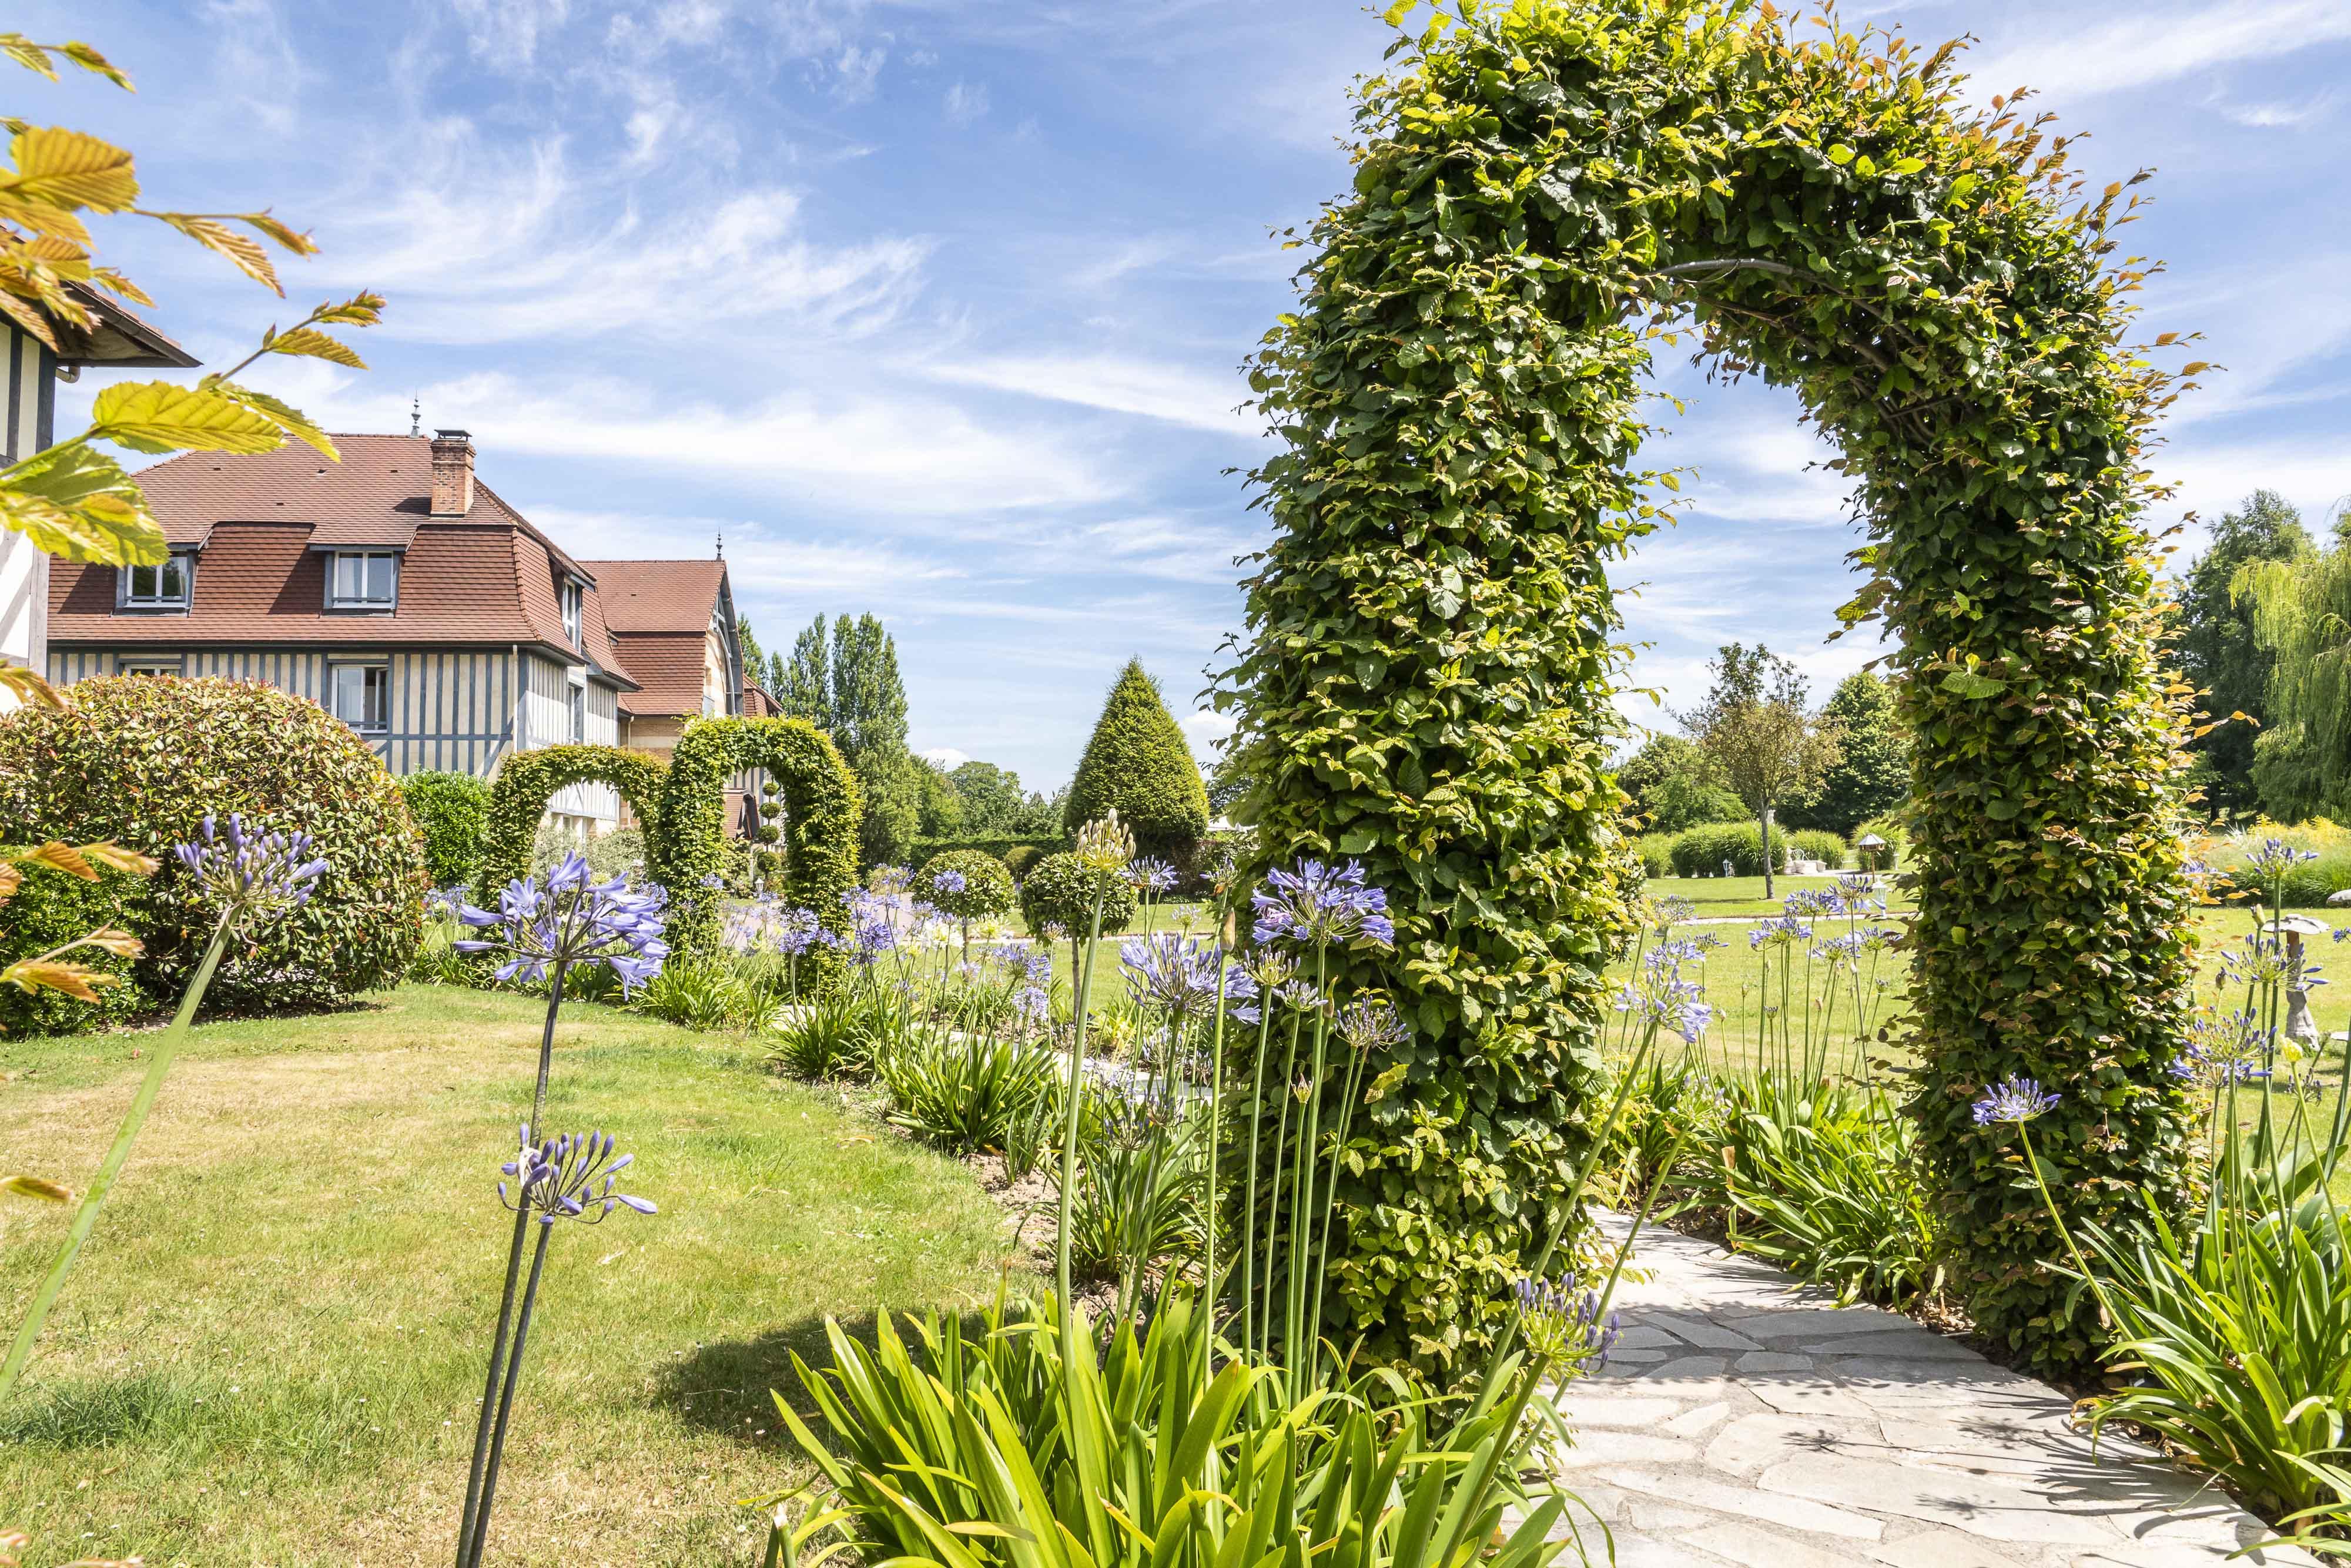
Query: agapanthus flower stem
{"x":1303,"y":1256}
{"x":1083,"y":972}
{"x":1280,"y":1154}
{"x":1249,"y":1199}
{"x":85,"y":1218}
{"x":1216,"y":1137}
{"x":472,"y":1558}
{"x":468,"y":1522}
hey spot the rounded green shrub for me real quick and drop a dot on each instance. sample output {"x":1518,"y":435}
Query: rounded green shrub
{"x":1021,"y":858}
{"x":986,"y":888}
{"x":453,"y":813}
{"x":1656,"y":853}
{"x":1060,"y":892}
{"x":50,"y":909}
{"x":142,"y":759}
{"x":1139,"y":762}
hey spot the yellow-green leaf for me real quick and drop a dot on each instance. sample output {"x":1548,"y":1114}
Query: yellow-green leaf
{"x":70,"y":169}
{"x":35,"y":1187}
{"x":242,"y":249}
{"x":90,"y":60}
{"x":77,"y":504}
{"x":289,"y":419}
{"x":311,"y":343}
{"x":159,"y":416}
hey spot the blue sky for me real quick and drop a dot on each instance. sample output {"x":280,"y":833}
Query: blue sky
{"x":936,"y":307}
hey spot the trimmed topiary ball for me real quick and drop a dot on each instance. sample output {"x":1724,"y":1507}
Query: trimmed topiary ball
{"x":453,"y":813}
{"x":1139,"y":762}
{"x":966,"y":883}
{"x":142,"y":759}
{"x":1060,"y":892}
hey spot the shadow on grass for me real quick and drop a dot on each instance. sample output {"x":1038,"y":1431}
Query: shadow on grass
{"x":94,"y":1412}
{"x":726,"y":1389}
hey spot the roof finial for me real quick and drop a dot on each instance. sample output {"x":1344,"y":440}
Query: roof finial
{"x":415,"y":416}
{"x":722,"y":544}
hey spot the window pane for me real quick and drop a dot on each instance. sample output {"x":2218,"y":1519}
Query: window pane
{"x":378,"y":578}
{"x":378,"y":683}
{"x":172,"y":580}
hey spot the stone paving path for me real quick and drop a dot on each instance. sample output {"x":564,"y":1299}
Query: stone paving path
{"x":1740,"y":1422}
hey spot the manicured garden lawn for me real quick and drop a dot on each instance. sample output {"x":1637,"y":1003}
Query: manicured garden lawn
{"x":272,"y":1348}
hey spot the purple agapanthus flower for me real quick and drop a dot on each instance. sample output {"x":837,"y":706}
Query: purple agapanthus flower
{"x":799,"y":930}
{"x":573,"y":922}
{"x":1321,"y":905}
{"x":251,"y":878}
{"x":1168,"y":972}
{"x":1371,"y":1023}
{"x":2013,"y":1099}
{"x":568,"y":1177}
{"x":949,"y":881}
{"x":1151,"y":875}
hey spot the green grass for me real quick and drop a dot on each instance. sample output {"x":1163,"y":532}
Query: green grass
{"x":272,"y":1348}
{"x":1740,"y":987}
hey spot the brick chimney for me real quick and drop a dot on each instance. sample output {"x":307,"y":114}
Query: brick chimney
{"x":452,"y":473}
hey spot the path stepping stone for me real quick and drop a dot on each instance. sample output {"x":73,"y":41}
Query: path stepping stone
{"x":1774,"y":1428}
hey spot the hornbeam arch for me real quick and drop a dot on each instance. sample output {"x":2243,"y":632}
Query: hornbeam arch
{"x":526,"y":780}
{"x":1543,"y":192}
{"x":822,"y":809}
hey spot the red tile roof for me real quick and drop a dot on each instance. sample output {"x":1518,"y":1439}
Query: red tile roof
{"x":259,"y":523}
{"x":659,"y":595}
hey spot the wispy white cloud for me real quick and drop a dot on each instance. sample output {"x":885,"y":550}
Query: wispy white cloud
{"x":966,"y":102}
{"x":2149,"y":45}
{"x":1178,"y":394}
{"x":2281,"y":114}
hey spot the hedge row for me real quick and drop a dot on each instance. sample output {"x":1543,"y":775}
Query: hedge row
{"x":1018,"y":852}
{"x":1700,"y":852}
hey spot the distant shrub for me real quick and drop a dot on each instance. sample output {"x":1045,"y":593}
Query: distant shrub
{"x":1060,"y":890}
{"x":998,"y":846}
{"x":1139,"y":762}
{"x":142,"y":759}
{"x":2304,"y":885}
{"x":1700,"y":852}
{"x":1021,"y":858}
{"x":453,"y":813}
{"x":1656,"y":853}
{"x":1815,"y":844}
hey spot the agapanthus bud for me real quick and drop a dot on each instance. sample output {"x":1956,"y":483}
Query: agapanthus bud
{"x":251,"y":878}
{"x":1105,"y":843}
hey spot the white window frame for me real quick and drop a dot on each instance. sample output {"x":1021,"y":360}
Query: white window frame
{"x":127,"y":598}
{"x":381,"y":670}
{"x":151,"y":664}
{"x":571,"y":598}
{"x":336,"y":599}
{"x":578,"y":715}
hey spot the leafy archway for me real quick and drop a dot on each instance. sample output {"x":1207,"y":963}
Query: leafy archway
{"x":526,"y":780}
{"x":821,"y":815}
{"x":1545,"y":191}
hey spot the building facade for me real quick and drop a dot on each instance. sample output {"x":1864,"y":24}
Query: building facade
{"x":409,"y":600}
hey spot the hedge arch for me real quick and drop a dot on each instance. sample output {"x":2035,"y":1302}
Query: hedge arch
{"x":1545,"y":191}
{"x":821,"y":818}
{"x":527,"y":780}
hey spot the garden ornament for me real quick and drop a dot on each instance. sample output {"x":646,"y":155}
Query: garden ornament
{"x":2299,"y":1025}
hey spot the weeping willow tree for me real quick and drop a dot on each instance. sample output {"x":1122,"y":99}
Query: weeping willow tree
{"x":2302,"y":617}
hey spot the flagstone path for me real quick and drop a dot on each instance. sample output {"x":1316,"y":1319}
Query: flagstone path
{"x":1740,"y":1422}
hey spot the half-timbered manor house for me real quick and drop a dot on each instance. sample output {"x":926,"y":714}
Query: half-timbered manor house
{"x":413,"y":602}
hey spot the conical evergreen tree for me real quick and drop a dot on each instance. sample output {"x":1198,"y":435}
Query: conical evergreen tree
{"x":1139,"y":762}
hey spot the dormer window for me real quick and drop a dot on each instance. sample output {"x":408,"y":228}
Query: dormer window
{"x":163,"y":587}
{"x":363,"y":580}
{"x":571,"y":594}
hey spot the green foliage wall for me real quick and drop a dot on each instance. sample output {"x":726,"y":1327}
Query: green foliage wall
{"x":687,"y":847}
{"x":142,"y":759}
{"x":1139,"y":762}
{"x":526,"y":780}
{"x":49,"y":910}
{"x":927,"y":850}
{"x":1539,"y":195}
{"x":453,"y":813}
